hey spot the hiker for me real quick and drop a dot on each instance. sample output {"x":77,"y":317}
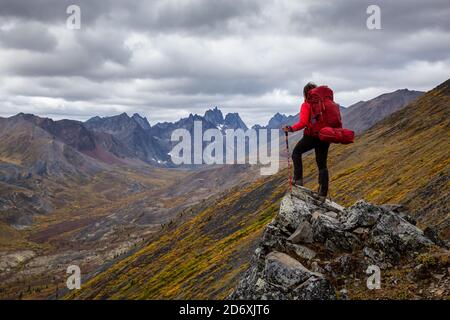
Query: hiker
{"x":309,"y":141}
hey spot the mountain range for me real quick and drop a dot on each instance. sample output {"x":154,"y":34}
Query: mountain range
{"x":117,"y":139}
{"x":205,"y":257}
{"x":103,"y":194}
{"x":123,"y":139}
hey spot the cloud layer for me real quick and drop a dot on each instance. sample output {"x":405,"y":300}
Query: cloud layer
{"x":166,"y":59}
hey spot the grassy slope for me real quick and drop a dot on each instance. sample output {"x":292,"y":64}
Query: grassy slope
{"x":202,"y":258}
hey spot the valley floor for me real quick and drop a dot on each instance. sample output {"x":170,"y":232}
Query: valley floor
{"x":98,"y":222}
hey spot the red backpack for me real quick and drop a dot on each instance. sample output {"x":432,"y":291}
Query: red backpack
{"x":325,"y":117}
{"x":336,"y":135}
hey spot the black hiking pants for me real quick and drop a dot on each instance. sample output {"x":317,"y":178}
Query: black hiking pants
{"x":320,"y":147}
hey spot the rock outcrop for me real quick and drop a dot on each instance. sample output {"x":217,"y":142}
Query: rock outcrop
{"x":310,"y":246}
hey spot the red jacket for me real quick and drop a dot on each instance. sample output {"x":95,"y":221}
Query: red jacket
{"x":305,"y":111}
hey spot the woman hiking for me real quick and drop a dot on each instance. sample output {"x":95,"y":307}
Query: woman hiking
{"x":309,"y":141}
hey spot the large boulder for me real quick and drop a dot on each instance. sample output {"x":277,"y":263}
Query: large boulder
{"x":292,"y":212}
{"x":284,"y":271}
{"x":329,"y":239}
{"x":301,"y":252}
{"x":330,"y":231}
{"x":303,"y":234}
{"x":315,"y":288}
{"x":396,"y":237}
{"x":283,"y":277}
{"x":361,"y":214}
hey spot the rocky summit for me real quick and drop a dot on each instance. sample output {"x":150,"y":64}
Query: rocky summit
{"x":314,"y":250}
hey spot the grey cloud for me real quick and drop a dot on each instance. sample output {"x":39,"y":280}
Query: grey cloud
{"x":202,"y":16}
{"x":28,"y":36}
{"x":54,"y":11}
{"x":397,"y":16}
{"x":88,"y":53}
{"x":169,"y":58}
{"x":199,"y":16}
{"x":105,"y":45}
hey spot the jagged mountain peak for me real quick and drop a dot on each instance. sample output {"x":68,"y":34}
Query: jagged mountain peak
{"x":194,"y":117}
{"x":30,"y":117}
{"x":214,"y":116}
{"x":129,"y":137}
{"x":234,"y":121}
{"x":96,"y":118}
{"x":22,"y":114}
{"x":277,"y":121}
{"x":142,"y":121}
{"x":279,"y":116}
{"x":51,"y":125}
{"x":112,"y":123}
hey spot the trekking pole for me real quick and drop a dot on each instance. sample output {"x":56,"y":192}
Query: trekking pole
{"x":288,"y":160}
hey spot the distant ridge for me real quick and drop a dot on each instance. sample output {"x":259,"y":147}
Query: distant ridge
{"x":364,"y":114}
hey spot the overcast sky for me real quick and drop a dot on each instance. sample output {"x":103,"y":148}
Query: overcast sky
{"x":166,"y":59}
